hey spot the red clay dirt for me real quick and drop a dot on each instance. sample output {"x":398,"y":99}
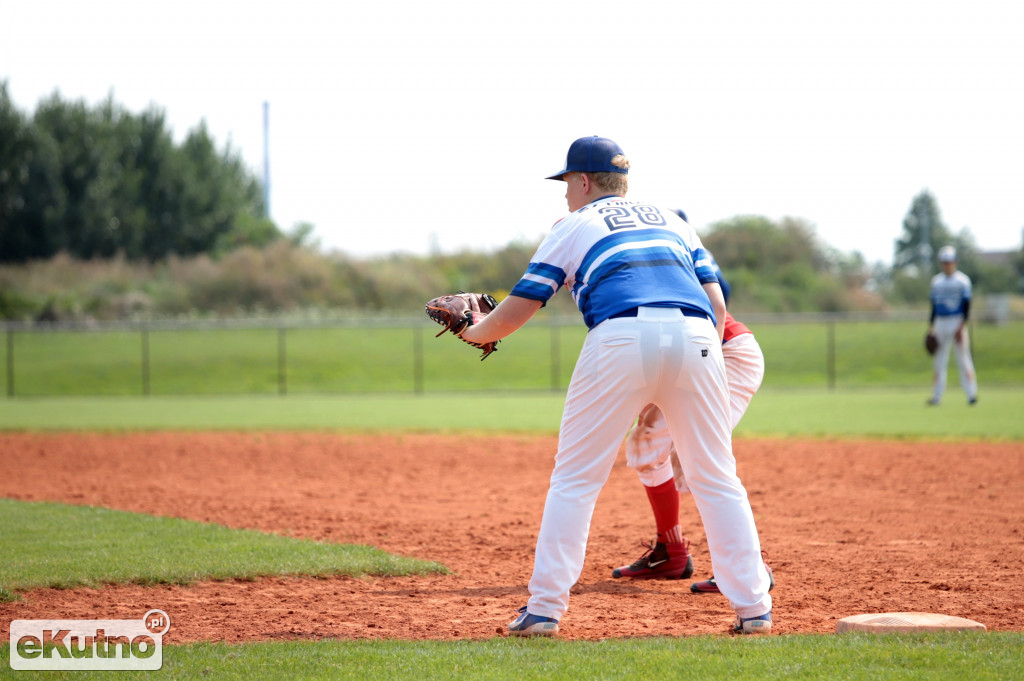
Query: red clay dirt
{"x":851,"y":527}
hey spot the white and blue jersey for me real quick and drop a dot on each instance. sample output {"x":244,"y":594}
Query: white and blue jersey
{"x":949,"y":294}
{"x":615,"y":254}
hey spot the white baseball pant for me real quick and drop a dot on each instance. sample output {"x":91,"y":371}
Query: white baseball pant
{"x":649,"y":446}
{"x":675,"y":362}
{"x":945,"y":330}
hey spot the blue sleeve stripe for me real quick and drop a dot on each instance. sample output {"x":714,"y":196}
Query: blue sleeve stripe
{"x":540,"y":282}
{"x":705,"y":266}
{"x":543,"y":269}
{"x":532,"y":291}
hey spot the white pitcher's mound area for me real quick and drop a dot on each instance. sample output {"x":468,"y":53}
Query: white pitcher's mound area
{"x":906,"y":621}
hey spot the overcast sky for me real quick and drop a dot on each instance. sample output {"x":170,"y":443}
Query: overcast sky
{"x":412,"y":125}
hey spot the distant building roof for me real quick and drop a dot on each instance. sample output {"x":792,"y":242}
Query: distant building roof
{"x":999,"y":258}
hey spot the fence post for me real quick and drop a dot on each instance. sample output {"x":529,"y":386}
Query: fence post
{"x":145,"y":360}
{"x":417,"y":360}
{"x":832,"y":354}
{"x":556,"y":357}
{"x":10,"y":362}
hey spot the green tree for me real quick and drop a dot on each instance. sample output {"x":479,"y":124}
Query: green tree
{"x":150,"y":151}
{"x":301,"y":236}
{"x":217,"y":192}
{"x":784,"y":267}
{"x":247,"y":230}
{"x":29,"y":187}
{"x":98,"y":181}
{"x":924,"y":234}
{"x":754,"y":242}
{"x":83,"y":215}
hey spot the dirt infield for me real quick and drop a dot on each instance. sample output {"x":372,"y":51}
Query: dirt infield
{"x":851,"y":527}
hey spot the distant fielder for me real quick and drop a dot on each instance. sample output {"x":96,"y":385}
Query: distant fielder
{"x":951,"y":305}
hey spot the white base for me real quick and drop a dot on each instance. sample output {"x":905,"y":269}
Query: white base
{"x":906,"y":621}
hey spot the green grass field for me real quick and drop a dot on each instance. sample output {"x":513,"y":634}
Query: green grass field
{"x":61,"y":546}
{"x":869,"y":412}
{"x":351,"y":360}
{"x":777,"y":411}
{"x":846,"y":657}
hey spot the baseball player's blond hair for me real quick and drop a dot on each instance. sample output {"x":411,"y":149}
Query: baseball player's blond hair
{"x":613,"y":183}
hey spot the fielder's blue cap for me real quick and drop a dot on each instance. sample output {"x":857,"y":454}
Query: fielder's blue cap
{"x":591,"y":155}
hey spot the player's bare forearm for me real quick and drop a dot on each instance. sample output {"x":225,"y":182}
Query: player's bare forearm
{"x":717,"y":299}
{"x":511,"y":314}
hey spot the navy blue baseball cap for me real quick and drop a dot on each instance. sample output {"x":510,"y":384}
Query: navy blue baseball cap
{"x":591,"y":155}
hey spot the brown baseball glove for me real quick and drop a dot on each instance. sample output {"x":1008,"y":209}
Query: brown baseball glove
{"x":459,"y":311}
{"x":931,"y":343}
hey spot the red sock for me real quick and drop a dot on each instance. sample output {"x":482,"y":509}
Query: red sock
{"x":665,"y":503}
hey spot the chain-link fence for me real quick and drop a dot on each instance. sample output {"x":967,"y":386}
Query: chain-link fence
{"x":352,"y":356}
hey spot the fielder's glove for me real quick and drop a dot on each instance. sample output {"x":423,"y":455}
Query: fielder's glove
{"x":458,"y":312}
{"x":931,"y":343}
